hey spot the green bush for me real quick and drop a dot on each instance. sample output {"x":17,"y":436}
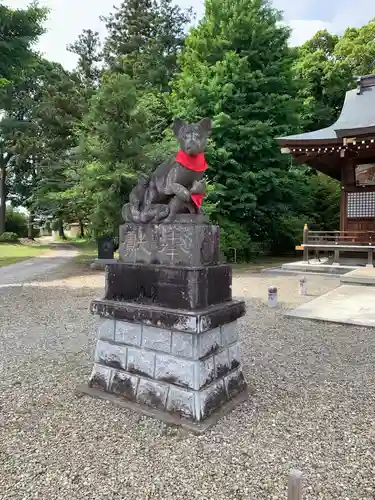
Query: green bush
{"x":16,"y":222}
{"x":235,"y":241}
{"x":285,"y":233}
{"x":55,"y":225}
{"x":8,"y":237}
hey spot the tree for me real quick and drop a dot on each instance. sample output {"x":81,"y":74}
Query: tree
{"x":144,"y":40}
{"x":357,"y":48}
{"x":110,"y":152}
{"x":88,"y":49}
{"x":58,"y":115}
{"x":19,"y":30}
{"x":326,"y":68}
{"x":323,"y":80}
{"x":237,"y":69}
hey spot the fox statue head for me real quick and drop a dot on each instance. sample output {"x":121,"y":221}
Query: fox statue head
{"x":192,"y":137}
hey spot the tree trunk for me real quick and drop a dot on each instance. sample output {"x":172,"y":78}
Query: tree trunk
{"x":61,"y":230}
{"x":30,"y":231}
{"x":3,"y":198}
{"x":81,"y":229}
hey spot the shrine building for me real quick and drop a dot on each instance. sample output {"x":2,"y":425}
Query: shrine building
{"x":344,"y":151}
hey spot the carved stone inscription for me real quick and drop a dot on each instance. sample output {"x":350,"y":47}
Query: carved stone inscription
{"x":170,"y":244}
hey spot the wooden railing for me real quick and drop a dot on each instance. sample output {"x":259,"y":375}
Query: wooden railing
{"x":338,"y":237}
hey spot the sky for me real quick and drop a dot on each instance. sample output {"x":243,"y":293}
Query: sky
{"x":69,"y":17}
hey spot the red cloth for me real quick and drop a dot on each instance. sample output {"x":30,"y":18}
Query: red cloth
{"x":197,"y":199}
{"x":192,"y":162}
{"x":198,"y":164}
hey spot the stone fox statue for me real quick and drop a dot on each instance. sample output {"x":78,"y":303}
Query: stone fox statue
{"x":176,"y":186}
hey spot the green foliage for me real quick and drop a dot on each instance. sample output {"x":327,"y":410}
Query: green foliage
{"x":88,"y":49}
{"x":19,"y":30}
{"x":8,"y":237}
{"x":144,"y":40}
{"x":324,"y":212}
{"x":357,"y":48}
{"x":16,"y":222}
{"x":55,"y":225}
{"x":235,"y":240}
{"x":237,"y":69}
{"x":326,"y":67}
{"x":112,"y":138}
{"x":74,"y":143}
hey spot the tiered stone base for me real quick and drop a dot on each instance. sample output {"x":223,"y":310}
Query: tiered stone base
{"x":189,"y":371}
{"x":168,"y":337}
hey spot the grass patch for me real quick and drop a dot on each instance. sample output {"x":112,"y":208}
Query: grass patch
{"x":88,"y":250}
{"x":11,"y":253}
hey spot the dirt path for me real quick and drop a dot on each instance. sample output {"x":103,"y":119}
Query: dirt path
{"x":38,"y":267}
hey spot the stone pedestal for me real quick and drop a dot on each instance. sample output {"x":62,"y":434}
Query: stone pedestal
{"x":168,"y":336}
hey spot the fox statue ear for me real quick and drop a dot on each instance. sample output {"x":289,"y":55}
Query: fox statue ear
{"x":177,"y":125}
{"x":206,"y":126}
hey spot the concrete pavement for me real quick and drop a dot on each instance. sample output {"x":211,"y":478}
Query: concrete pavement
{"x":350,"y":304}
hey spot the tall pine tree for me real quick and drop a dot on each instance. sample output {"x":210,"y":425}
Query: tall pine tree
{"x":144,"y":40}
{"x":88,"y":49}
{"x":237,"y":69}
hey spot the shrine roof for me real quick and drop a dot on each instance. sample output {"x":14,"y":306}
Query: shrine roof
{"x":357,"y":117}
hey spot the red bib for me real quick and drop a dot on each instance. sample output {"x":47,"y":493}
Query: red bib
{"x":198,"y":164}
{"x":197,"y":199}
{"x":192,"y":162}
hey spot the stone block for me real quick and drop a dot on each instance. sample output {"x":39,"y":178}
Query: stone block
{"x":229,"y":333}
{"x":234,"y":356}
{"x":222,"y":366}
{"x":128,"y":333}
{"x":124,"y":385}
{"x":157,"y":339}
{"x":234,"y":383}
{"x":178,"y":287}
{"x":219,"y":279}
{"x":110,"y":355}
{"x":211,"y":399}
{"x":181,"y":402}
{"x":141,"y":362}
{"x":100,"y":377}
{"x":175,"y":371}
{"x":177,"y":243}
{"x":205,"y":372}
{"x":184,"y":344}
{"x":152,"y":394}
{"x":170,"y":319}
{"x":209,"y":342}
{"x":106,"y":329}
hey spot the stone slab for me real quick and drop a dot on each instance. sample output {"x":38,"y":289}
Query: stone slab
{"x":177,"y":243}
{"x":100,"y":264}
{"x":185,"y":386}
{"x":192,"y":374}
{"x":348,"y":304}
{"x":360,"y":276}
{"x":169,"y":418}
{"x":316,"y":267}
{"x":169,"y":286}
{"x":172,"y":319}
{"x":188,"y":345}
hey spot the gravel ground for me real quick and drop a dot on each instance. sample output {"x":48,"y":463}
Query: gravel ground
{"x":312,"y":408}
